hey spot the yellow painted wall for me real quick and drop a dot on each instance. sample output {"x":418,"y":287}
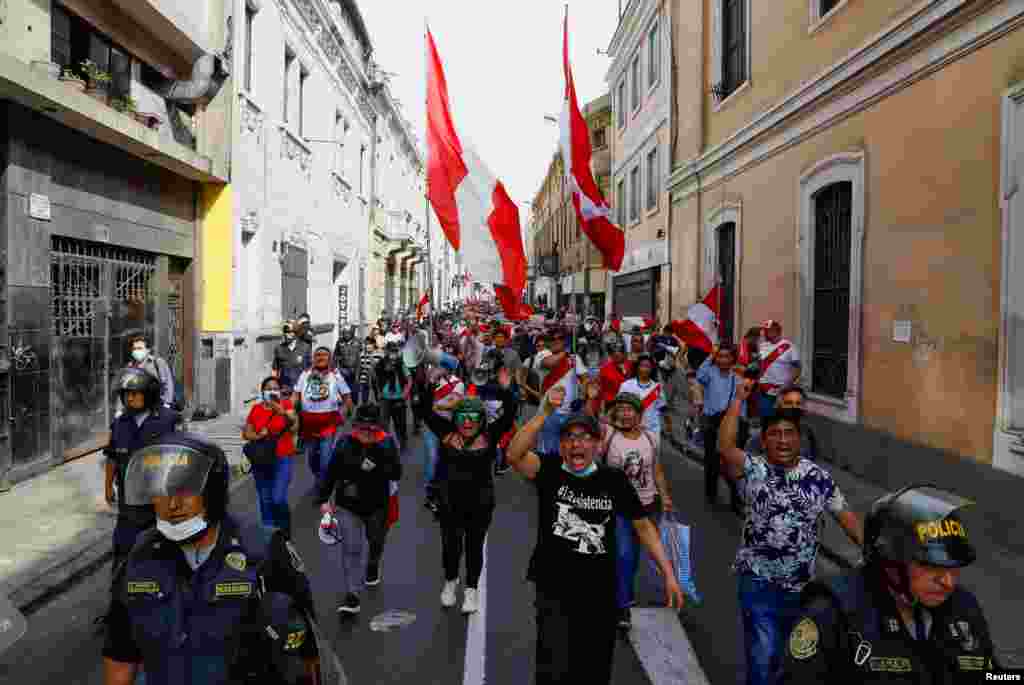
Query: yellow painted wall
{"x":783,"y":54}
{"x":931,"y":250}
{"x":216,"y":258}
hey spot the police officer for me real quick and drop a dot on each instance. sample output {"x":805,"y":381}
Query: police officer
{"x":901,"y":617}
{"x":144,"y":420}
{"x":203,"y":599}
{"x":347,"y":353}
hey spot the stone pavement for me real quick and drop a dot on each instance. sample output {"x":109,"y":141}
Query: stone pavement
{"x":995,"y":578}
{"x":57,"y":527}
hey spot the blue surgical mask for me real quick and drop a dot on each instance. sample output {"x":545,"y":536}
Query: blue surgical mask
{"x":582,"y":473}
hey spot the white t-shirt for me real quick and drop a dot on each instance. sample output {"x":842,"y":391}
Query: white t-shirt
{"x":322,"y":393}
{"x":570,"y":380}
{"x":652,"y":415}
{"x":784,"y":367}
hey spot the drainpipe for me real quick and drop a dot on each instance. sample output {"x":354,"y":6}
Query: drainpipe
{"x":208,"y":75}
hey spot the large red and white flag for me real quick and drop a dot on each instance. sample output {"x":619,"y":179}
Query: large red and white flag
{"x":700,"y":328}
{"x":478,"y":217}
{"x":592,"y":211}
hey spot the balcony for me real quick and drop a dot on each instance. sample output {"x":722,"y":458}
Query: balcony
{"x":43,"y":93}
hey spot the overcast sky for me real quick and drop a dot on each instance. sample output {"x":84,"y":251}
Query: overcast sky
{"x":503,"y":63}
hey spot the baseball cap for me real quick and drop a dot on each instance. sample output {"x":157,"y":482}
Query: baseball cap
{"x":585,"y":420}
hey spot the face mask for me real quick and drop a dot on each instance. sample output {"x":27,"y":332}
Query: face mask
{"x":179,"y":532}
{"x":582,"y":473}
{"x":271,"y":395}
{"x":140,"y":355}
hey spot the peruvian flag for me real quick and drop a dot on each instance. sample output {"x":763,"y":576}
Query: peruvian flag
{"x":510,"y":304}
{"x":701,"y":325}
{"x":591,"y":209}
{"x":478,"y":217}
{"x":421,"y":307}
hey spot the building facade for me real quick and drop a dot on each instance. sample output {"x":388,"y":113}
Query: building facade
{"x":325,"y":195}
{"x":562,"y":257}
{"x":809,"y":184}
{"x":640,"y":81}
{"x":113,"y":160}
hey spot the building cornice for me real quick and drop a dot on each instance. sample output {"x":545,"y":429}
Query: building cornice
{"x":721,"y":160}
{"x":628,"y":35}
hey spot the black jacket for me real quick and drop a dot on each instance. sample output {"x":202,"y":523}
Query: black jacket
{"x":361,"y":492}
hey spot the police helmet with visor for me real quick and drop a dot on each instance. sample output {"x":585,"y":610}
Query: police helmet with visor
{"x":139,"y":380}
{"x":919,"y":523}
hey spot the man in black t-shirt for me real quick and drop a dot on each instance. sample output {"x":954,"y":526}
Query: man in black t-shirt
{"x":573,"y":566}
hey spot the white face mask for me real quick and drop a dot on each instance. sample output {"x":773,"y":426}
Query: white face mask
{"x":178,"y":532}
{"x":140,"y":355}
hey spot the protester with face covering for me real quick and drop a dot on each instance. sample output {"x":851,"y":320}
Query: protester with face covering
{"x":466,"y":490}
{"x":325,"y":400}
{"x":291,"y":357}
{"x":628,"y":446}
{"x":273,"y":417}
{"x":573,"y":566}
{"x":393,"y":388}
{"x":142,"y":357}
{"x":359,"y":477}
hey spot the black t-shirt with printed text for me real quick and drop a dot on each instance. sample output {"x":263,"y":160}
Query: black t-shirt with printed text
{"x":575,"y":552}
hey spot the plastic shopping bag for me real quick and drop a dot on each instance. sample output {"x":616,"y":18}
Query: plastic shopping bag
{"x":675,"y":538}
{"x":392,"y":504}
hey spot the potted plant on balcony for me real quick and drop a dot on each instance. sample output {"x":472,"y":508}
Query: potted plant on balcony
{"x":97,"y":81}
{"x":72,"y":80}
{"x":126,"y":105}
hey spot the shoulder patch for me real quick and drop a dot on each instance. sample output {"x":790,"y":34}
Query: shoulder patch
{"x":803,"y":640}
{"x":293,"y":554}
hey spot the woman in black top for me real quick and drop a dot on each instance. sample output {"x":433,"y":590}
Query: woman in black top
{"x":466,"y":492}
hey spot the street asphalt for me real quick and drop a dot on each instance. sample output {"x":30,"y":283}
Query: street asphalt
{"x":63,"y":645}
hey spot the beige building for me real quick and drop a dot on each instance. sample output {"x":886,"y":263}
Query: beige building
{"x":640,"y":81}
{"x":556,"y":231}
{"x":852,"y":169}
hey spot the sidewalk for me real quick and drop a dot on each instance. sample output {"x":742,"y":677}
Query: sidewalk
{"x":995,"y":578}
{"x":57,"y":527}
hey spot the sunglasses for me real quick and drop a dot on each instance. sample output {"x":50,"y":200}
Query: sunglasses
{"x":469,"y":417}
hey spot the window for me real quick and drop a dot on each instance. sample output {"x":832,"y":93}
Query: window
{"x":653,"y":182}
{"x":622,"y":103}
{"x":827,"y":6}
{"x":60,"y":37}
{"x":833,"y":208}
{"x":725,"y":238}
{"x":831,"y":281}
{"x":734,"y":43}
{"x":250,"y":18}
{"x":73,"y":40}
{"x":620,"y":203}
{"x":635,"y":76}
{"x":289,"y":60}
{"x":634,"y":194}
{"x":303,"y":75}
{"x":599,"y":138}
{"x":653,"y":56}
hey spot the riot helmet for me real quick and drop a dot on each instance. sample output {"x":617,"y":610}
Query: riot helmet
{"x":138,"y":380}
{"x":919,"y":523}
{"x":348,"y":333}
{"x":180,"y":465}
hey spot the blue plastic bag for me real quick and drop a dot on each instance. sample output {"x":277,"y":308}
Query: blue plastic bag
{"x":675,"y":538}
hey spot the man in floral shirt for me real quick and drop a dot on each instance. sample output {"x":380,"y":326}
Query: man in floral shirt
{"x":784,"y":497}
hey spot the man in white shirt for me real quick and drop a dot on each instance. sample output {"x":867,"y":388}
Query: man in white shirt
{"x":780,"y":366}
{"x":566,"y":370}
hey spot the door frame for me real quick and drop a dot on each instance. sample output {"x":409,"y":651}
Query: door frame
{"x":1007,"y":445}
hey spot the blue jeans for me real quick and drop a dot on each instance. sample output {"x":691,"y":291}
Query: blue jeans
{"x":550,"y":433}
{"x":319,"y":452}
{"x":765,"y":405}
{"x":431,"y":453}
{"x":272,"y":481}
{"x":627,"y":557}
{"x":769,"y":612}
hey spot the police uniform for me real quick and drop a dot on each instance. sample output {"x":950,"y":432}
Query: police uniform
{"x":851,"y":629}
{"x":242,"y":616}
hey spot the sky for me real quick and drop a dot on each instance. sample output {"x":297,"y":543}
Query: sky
{"x":503,"y":64}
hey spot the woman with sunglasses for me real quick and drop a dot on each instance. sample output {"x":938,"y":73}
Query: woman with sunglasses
{"x":466,"y":486}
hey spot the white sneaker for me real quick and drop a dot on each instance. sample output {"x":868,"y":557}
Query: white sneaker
{"x":448,"y":594}
{"x":470,"y":602}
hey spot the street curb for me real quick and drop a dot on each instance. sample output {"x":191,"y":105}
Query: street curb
{"x":835,"y":556}
{"x":64,"y":571}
